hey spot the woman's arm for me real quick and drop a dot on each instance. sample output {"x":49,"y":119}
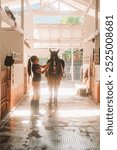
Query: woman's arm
{"x":43,"y":66}
{"x":46,"y":68}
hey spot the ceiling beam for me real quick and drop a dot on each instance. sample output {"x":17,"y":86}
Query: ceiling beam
{"x":28,"y":5}
{"x":57,"y":13}
{"x":14,"y":26}
{"x":41,"y":3}
{"x":74,"y":41}
{"x":59,"y":46}
{"x":78,"y":27}
{"x":81,"y":2}
{"x":59,"y":5}
{"x":6,"y":19}
{"x":89,"y":6}
{"x":69,"y":4}
{"x":48,"y":4}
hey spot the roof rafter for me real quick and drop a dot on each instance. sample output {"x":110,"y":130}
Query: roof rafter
{"x":48,"y":4}
{"x":89,"y":6}
{"x":41,"y":3}
{"x":66,"y":2}
{"x":28,"y":5}
{"x":81,"y":2}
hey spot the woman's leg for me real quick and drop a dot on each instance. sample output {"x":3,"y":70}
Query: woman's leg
{"x":36,"y":97}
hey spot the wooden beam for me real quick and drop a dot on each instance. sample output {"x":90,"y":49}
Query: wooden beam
{"x":96,"y":14}
{"x":50,"y":3}
{"x":5,"y":18}
{"x":81,"y":2}
{"x":58,"y":26}
{"x":76,"y":40}
{"x":22,"y":14}
{"x":72,"y":64}
{"x":41,"y":4}
{"x":59,"y":5}
{"x":89,"y":6}
{"x":57,"y":13}
{"x":28,"y":5}
{"x":70,"y":4}
{"x":59,"y":46}
{"x":0,"y":60}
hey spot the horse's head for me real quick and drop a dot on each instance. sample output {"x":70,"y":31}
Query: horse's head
{"x":54,"y":61}
{"x":55,"y":70}
{"x":53,"y":55}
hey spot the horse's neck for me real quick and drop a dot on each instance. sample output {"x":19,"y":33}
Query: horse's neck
{"x":54,"y":62}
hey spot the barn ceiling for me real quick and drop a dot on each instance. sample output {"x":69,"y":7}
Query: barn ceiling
{"x":54,"y":35}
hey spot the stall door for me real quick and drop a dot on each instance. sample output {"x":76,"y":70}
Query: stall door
{"x":5,"y":94}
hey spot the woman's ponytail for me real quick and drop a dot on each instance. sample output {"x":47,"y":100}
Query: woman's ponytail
{"x":29,"y":67}
{"x":32,"y":59}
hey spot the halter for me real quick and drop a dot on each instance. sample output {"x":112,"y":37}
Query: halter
{"x":54,"y":69}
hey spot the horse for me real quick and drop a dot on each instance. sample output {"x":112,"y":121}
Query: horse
{"x":54,"y":75}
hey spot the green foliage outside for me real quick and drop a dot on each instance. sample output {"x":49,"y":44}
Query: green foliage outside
{"x":72,"y":20}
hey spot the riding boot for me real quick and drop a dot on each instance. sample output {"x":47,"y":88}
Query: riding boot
{"x":32,"y":107}
{"x":55,"y":102}
{"x":50,"y":103}
{"x":36,"y":107}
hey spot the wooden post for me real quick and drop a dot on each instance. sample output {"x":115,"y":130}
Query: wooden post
{"x":22,"y":14}
{"x":97,"y":37}
{"x":96,"y":15}
{"x":72,"y":65}
{"x":0,"y":63}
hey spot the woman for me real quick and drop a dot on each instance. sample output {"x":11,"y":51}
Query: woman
{"x":35,"y":68}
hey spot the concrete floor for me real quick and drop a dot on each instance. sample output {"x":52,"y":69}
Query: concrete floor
{"x":73,"y":126}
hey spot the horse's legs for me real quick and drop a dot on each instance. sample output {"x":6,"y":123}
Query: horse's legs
{"x":56,"y":94}
{"x":50,"y":96}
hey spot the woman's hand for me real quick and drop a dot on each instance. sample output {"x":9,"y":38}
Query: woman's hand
{"x":44,"y":66}
{"x":45,"y":69}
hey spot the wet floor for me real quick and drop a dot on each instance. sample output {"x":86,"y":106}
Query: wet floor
{"x":74,"y":125}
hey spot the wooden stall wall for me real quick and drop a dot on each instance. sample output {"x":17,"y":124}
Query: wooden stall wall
{"x":17,"y":84}
{"x":5,"y":94}
{"x":12,"y":45}
{"x":91,"y":45}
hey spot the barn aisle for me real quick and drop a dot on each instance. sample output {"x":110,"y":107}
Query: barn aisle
{"x":74,"y":125}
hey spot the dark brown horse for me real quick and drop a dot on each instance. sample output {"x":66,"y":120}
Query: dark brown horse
{"x":54,"y":75}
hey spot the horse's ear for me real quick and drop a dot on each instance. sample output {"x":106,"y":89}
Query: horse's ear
{"x":50,"y":50}
{"x":58,"y":50}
